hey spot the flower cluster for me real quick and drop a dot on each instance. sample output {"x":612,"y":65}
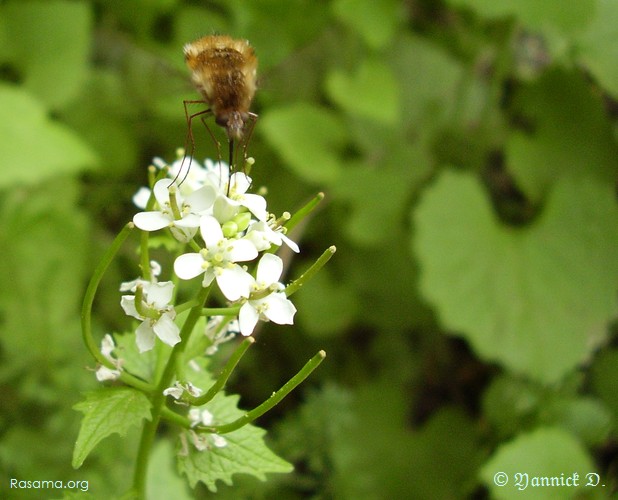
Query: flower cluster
{"x":235,"y":228}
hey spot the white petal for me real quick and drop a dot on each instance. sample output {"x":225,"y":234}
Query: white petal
{"x":202,"y":199}
{"x":127,"y":302}
{"x":167,"y":330}
{"x":290,"y":243}
{"x":107,"y":346}
{"x":151,"y":221}
{"x":280,"y":310}
{"x":242,"y":250}
{"x":209,"y":275}
{"x":269,"y":269}
{"x":104,"y":373}
{"x":162,"y":192}
{"x":239,"y":182}
{"x":140,"y":199}
{"x":188,"y":221}
{"x":160,"y":294}
{"x":211,"y":230}
{"x":188,"y":266}
{"x":234,"y":282}
{"x":218,"y":441}
{"x":256,"y":205}
{"x":225,"y":209}
{"x":247,"y":319}
{"x":183,"y":234}
{"x":144,"y":337}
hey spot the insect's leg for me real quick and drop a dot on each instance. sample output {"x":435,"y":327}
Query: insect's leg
{"x":247,"y":136}
{"x":189,"y":141}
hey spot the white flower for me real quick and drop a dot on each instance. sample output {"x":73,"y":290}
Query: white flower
{"x":219,"y":332}
{"x":103,"y":372}
{"x":157,"y":297}
{"x":273,"y":306}
{"x":201,"y":441}
{"x":218,"y":261}
{"x":131,"y":286}
{"x":189,"y":210}
{"x":177,"y":390}
{"x":263,"y":236}
{"x":228,"y":204}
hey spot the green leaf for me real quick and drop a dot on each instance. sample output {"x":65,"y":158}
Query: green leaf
{"x":373,"y":216}
{"x":535,"y":299}
{"x":604,"y":380}
{"x":580,"y":147}
{"x":374,"y":455}
{"x":583,"y":417}
{"x":245,"y":452}
{"x":433,"y":78}
{"x":598,"y":46}
{"x":163,"y":481}
{"x":371,"y":92}
{"x":50,"y":44}
{"x":108,"y":411}
{"x":33,"y":147}
{"x":141,"y":365}
{"x":307,"y":138}
{"x":535,"y":14}
{"x":329,"y":300}
{"x":511,"y":404}
{"x":376,"y":22}
{"x":44,"y":280}
{"x":546,"y":452}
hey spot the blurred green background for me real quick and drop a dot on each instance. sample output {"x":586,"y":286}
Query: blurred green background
{"x":467,"y":150}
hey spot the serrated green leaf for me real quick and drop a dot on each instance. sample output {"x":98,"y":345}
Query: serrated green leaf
{"x":376,"y":22}
{"x":598,"y":46}
{"x":546,"y":452}
{"x":141,"y":365}
{"x":371,"y":92}
{"x":52,"y":55}
{"x":108,"y":411}
{"x":245,"y":452}
{"x":307,"y":138}
{"x":58,"y":150}
{"x":535,"y":299}
{"x":581,"y":147}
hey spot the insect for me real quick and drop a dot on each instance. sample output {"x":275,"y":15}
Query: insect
{"x":224,"y":71}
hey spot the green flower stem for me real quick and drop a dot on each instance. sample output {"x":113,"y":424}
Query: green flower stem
{"x":309,"y":273}
{"x":267,"y":405}
{"x":86,"y":316}
{"x":221,"y":311}
{"x":174,"y":202}
{"x":158,"y":399}
{"x":174,"y":418}
{"x":225,"y":375}
{"x":144,"y":256}
{"x":142,"y":308}
{"x":304,"y":211}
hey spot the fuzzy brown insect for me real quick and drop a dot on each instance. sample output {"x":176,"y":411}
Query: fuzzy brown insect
{"x":224,"y":71}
